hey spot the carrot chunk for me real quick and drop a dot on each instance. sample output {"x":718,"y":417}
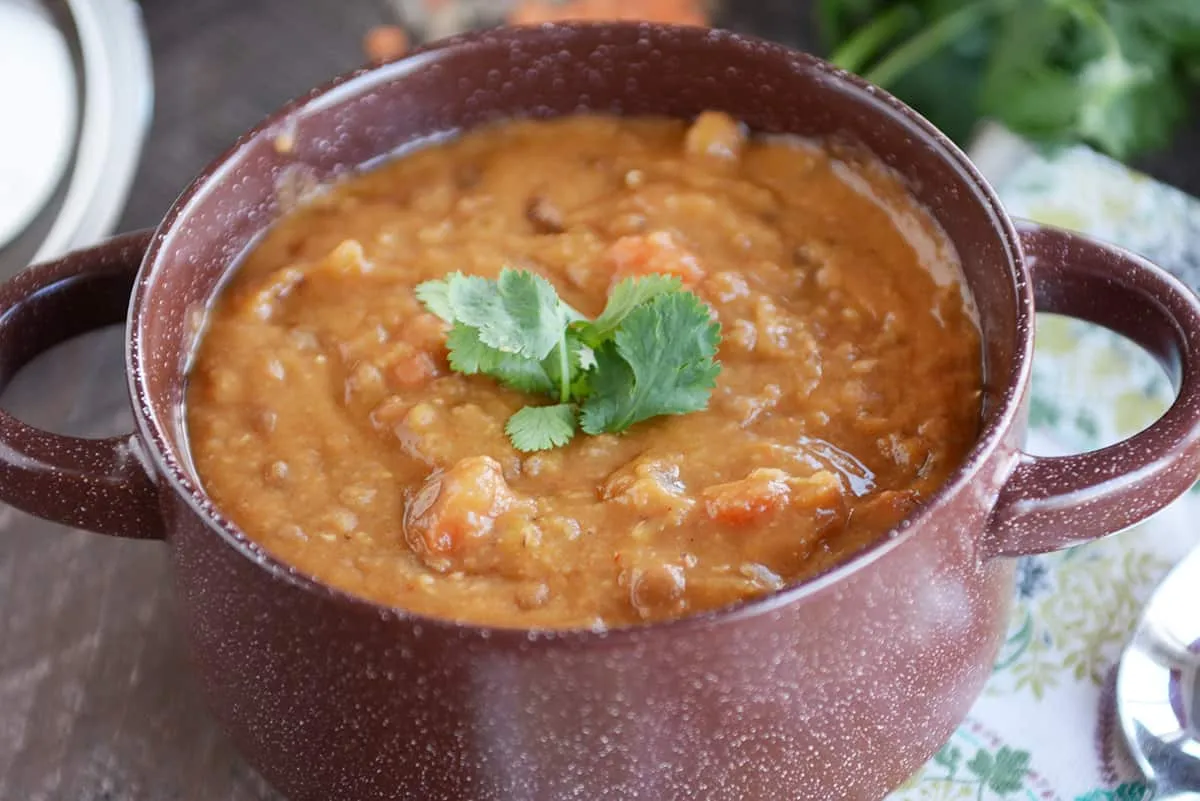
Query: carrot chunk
{"x":654,"y":253}
{"x":458,"y":505}
{"x":768,"y":490}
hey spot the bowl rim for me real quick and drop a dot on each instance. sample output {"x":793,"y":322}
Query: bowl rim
{"x":152,"y":431}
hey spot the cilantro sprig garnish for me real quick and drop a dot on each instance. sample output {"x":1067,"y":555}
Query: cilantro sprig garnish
{"x":1116,"y":74}
{"x":651,"y":352}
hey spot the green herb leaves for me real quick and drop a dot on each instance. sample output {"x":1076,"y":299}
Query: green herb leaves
{"x":519,"y":313}
{"x":1113,"y":73}
{"x":651,"y":352}
{"x":660,"y":361}
{"x":536,"y":428}
{"x":627,"y":296}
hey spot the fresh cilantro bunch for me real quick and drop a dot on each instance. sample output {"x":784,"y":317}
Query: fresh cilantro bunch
{"x":1116,"y":74}
{"x":651,"y":352}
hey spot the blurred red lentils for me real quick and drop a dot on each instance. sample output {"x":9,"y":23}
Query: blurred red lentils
{"x":385,"y":43}
{"x":683,"y":12}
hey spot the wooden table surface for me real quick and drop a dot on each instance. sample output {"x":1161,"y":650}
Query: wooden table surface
{"x":96,"y":698}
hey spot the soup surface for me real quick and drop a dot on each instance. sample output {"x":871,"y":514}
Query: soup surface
{"x":326,"y":422}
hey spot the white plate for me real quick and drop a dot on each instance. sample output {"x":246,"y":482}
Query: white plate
{"x":112,"y":61}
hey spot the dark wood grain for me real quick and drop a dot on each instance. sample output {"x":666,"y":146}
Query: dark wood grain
{"x":96,"y":701}
{"x":96,"y":698}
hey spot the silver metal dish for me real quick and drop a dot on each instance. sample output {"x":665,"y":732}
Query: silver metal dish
{"x":1158,"y":686}
{"x":112,"y":60}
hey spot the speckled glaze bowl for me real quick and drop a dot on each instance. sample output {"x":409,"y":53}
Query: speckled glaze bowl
{"x":835,"y":689}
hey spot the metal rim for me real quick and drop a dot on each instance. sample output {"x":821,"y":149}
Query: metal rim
{"x":178,"y":478}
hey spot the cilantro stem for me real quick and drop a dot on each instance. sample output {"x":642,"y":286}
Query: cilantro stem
{"x":860,"y":48}
{"x":930,"y":40}
{"x":1089,"y":15}
{"x":564,"y":367}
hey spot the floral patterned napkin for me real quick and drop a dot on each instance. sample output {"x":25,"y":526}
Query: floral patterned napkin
{"x":1045,"y":727}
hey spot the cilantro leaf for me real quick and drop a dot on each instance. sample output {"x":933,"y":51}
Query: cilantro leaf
{"x":436,"y":296}
{"x":536,"y":428}
{"x":627,"y":295}
{"x":1171,"y":22}
{"x":1023,"y":86}
{"x":1127,"y":107}
{"x":661,"y":361}
{"x":522,"y":375}
{"x":1115,"y":74}
{"x":650,"y":353}
{"x":469,"y":356}
{"x":518,"y":313}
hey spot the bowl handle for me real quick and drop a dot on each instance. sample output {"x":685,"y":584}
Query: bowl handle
{"x":1050,"y":503}
{"x":96,"y":484}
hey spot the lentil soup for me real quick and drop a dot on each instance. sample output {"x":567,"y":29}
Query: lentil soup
{"x":326,"y":422}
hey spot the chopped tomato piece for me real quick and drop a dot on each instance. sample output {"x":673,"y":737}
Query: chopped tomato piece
{"x":457,"y":505}
{"x":767,"y":490}
{"x":654,"y":253}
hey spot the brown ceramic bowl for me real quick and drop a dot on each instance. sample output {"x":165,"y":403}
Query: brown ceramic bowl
{"x":835,"y":689}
